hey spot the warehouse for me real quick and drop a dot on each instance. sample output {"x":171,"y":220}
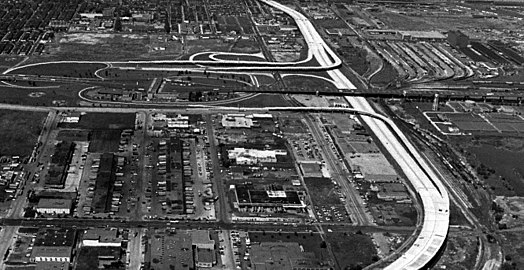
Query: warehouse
{"x":54,"y":206}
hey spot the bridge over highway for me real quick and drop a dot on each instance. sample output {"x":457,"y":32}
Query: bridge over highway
{"x":426,"y":183}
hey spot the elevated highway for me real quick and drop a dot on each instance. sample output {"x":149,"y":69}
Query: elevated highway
{"x":432,"y":193}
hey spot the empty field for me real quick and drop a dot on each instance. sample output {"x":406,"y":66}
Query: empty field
{"x":78,"y":70}
{"x":352,"y":250}
{"x":20,"y":131}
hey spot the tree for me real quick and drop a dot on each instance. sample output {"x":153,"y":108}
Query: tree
{"x":167,"y":25}
{"x":118,"y":24}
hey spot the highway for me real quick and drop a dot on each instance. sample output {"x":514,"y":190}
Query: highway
{"x":433,"y":194}
{"x":425,"y":182}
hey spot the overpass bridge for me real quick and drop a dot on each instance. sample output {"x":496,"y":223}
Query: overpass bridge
{"x":508,"y":94}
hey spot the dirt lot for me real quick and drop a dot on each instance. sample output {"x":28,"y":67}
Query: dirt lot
{"x":426,"y":23}
{"x":106,"y":47}
{"x":513,"y":248}
{"x":460,"y":253}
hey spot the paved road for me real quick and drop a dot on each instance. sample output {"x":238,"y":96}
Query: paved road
{"x":218,"y":179}
{"x":135,"y":249}
{"x":354,"y":206}
{"x":6,"y":234}
{"x":193,"y":224}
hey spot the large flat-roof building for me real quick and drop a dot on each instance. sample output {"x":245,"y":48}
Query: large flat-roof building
{"x":201,"y":239}
{"x":205,"y":258}
{"x":236,"y":121}
{"x":54,"y":206}
{"x":284,"y":256}
{"x":101,"y":238}
{"x":243,"y":156}
{"x":51,"y":254}
{"x":42,"y":265}
{"x":204,"y":248}
{"x":247,"y":198}
{"x":59,"y":165}
{"x":53,"y":245}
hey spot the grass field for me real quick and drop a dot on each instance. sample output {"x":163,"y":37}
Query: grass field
{"x":66,"y":94}
{"x":207,"y":45}
{"x":62,"y":69}
{"x":263,"y":100}
{"x":99,"y":121}
{"x":265,"y":80}
{"x":246,"y":46}
{"x":309,"y":83}
{"x":384,"y":76}
{"x":322,"y":191}
{"x":352,"y":249}
{"x":501,"y":169}
{"x":103,"y":141}
{"x":7,"y":61}
{"x":109,"y":47}
{"x":513,"y":247}
{"x":239,"y":57}
{"x":20,"y":131}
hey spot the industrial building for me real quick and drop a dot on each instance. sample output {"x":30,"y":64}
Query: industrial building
{"x":284,"y":255}
{"x":52,"y":246}
{"x":243,"y":156}
{"x":59,"y":165}
{"x":104,"y":184}
{"x":54,"y":206}
{"x":250,"y":199}
{"x":101,"y":238}
{"x":204,"y":248}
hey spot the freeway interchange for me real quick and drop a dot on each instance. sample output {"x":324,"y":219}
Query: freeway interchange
{"x":426,"y":183}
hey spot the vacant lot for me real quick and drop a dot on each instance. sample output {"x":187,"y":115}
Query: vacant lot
{"x":104,"y":121}
{"x":7,"y":61}
{"x":207,"y":45}
{"x":310,"y":241}
{"x":88,"y":257}
{"x":513,"y":247}
{"x":309,"y":83}
{"x":352,"y":249}
{"x":65,"y":94}
{"x":77,"y":70}
{"x":20,"y":131}
{"x":109,"y":47}
{"x":500,"y":168}
{"x":103,"y":141}
{"x":263,"y":100}
{"x":246,"y":46}
{"x":460,"y":253}
{"x":239,"y":57}
{"x":322,"y":191}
